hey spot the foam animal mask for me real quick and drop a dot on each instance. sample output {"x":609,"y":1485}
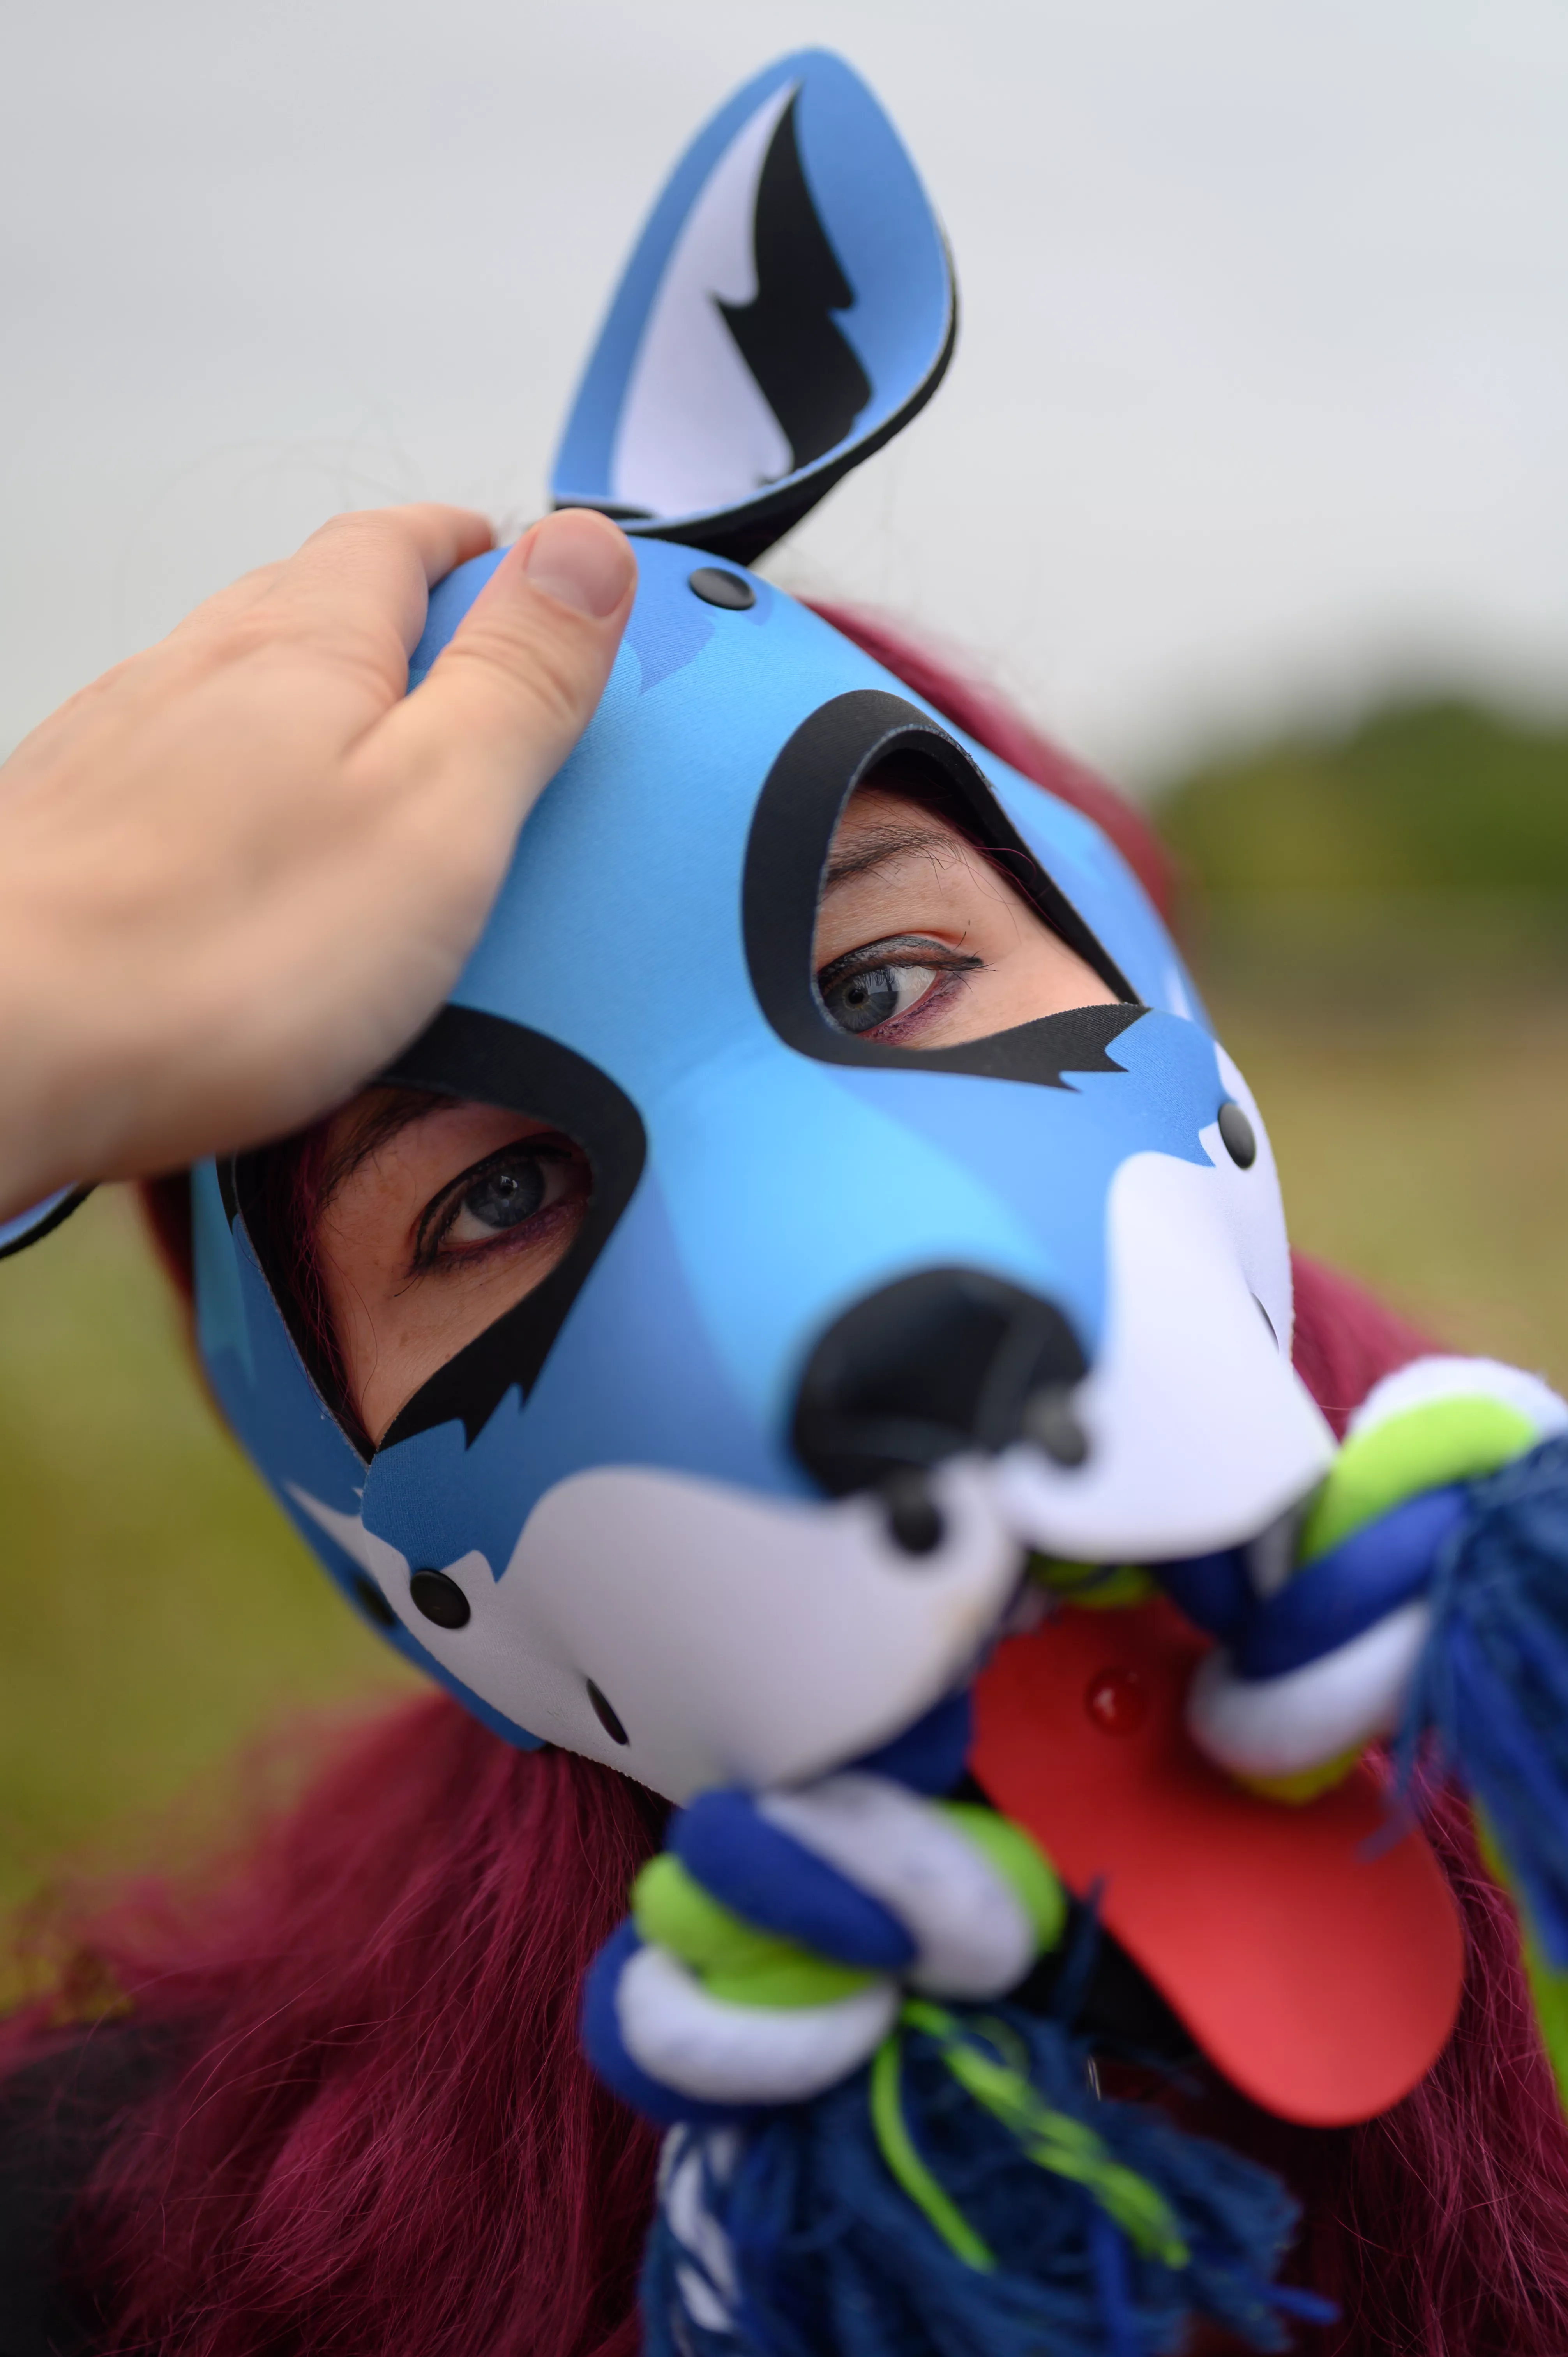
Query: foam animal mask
{"x":747,"y":1484}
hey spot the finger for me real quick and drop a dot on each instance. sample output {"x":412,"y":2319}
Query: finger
{"x":506,"y":702}
{"x":376,"y":565}
{"x":236,"y":598}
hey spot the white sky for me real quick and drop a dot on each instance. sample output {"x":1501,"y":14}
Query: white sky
{"x":1262,"y":398}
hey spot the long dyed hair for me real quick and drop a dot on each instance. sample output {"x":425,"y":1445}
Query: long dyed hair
{"x":374,"y":2135}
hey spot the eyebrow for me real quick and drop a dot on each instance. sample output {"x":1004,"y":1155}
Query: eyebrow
{"x":377,"y":1130}
{"x":882,"y":844}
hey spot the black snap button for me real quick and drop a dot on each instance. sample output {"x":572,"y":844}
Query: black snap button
{"x":1050,"y":1424}
{"x":440,"y":1599}
{"x":371,"y":1602}
{"x":716,"y":588}
{"x":607,"y":1716}
{"x":914,"y":1518}
{"x":1236,"y":1130}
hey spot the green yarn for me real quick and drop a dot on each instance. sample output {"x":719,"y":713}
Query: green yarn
{"x":1019,"y":1860}
{"x":1053,"y":2140}
{"x":1548,"y":1987}
{"x":1100,"y":1587}
{"x":733,"y":1960}
{"x":1442,"y":1440}
{"x":897,"y":2147}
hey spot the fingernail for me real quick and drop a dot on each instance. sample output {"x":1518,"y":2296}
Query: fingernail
{"x":582,"y":559}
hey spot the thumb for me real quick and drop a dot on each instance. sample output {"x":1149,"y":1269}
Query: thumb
{"x":506,"y":702}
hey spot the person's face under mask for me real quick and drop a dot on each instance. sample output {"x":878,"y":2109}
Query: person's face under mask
{"x":437,"y":1215}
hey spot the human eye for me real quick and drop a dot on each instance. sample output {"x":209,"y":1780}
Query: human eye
{"x":507,"y":1197}
{"x":891,"y":986}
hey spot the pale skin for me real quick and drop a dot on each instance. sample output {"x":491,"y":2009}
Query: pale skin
{"x":242,"y":869}
{"x":440,"y":1215}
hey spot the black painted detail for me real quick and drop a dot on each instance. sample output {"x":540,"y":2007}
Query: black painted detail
{"x":440,"y":1599}
{"x":61,"y":1212}
{"x":465,"y":1053}
{"x":791,"y":834}
{"x":914,"y":1518}
{"x":608,"y":1719}
{"x":1050,"y":1424}
{"x":805,"y":369}
{"x":930,"y":1364}
{"x":1236,"y":1131}
{"x":715,"y":587}
{"x":372,"y":1603}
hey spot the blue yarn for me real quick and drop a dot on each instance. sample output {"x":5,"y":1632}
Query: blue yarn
{"x":1213,"y":1590}
{"x":930,"y":1756}
{"x":1348,"y":1590}
{"x":776,"y":1882}
{"x":1492,"y":1686}
{"x":831,"y":2258}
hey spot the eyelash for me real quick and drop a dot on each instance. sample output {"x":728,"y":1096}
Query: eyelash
{"x":899,"y":950}
{"x":441,"y":1213}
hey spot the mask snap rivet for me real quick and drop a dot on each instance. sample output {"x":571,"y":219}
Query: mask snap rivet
{"x":1236,"y":1130}
{"x":1050,"y":1424}
{"x":440,"y":1599}
{"x":605,"y":1715}
{"x":716,"y":588}
{"x":914,"y":1518}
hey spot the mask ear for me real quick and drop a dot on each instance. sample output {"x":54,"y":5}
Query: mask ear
{"x":789,"y":305}
{"x":26,"y":1229}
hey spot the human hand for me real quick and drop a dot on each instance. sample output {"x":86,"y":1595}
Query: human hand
{"x":240,"y":871}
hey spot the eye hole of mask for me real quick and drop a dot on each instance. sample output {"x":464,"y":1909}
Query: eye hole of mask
{"x":923,"y":938}
{"x":425,"y":1244}
{"x":894,"y":916}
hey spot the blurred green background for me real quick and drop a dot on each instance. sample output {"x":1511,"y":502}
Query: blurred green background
{"x":1379,"y":919}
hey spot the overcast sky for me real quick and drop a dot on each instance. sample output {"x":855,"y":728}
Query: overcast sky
{"x":1261,"y":395}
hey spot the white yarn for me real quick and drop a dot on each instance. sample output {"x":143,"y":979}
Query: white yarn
{"x":727,"y":2053}
{"x":971,"y":1934}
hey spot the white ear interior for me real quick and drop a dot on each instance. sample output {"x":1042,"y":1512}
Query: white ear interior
{"x":695,"y":431}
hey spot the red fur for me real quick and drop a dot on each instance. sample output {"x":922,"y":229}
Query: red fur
{"x":383,"y":2142}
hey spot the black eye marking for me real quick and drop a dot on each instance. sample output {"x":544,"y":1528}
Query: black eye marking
{"x":440,"y":1599}
{"x":791,"y":835}
{"x":467,"y":1053}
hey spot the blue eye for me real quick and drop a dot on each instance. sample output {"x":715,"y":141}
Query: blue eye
{"x":877,"y":995}
{"x":507,"y":1194}
{"x":502,"y":1198}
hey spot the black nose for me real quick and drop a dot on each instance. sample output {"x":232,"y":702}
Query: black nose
{"x":946,"y":1360}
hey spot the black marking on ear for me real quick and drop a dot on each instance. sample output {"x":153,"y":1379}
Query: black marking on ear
{"x":791,"y":832}
{"x":467,"y":1053}
{"x":805,"y":369}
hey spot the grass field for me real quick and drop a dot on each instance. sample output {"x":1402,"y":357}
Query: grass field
{"x":156,"y":1611}
{"x":156,"y":1608}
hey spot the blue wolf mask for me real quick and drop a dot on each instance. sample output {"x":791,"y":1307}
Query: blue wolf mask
{"x":848,"y":1331}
